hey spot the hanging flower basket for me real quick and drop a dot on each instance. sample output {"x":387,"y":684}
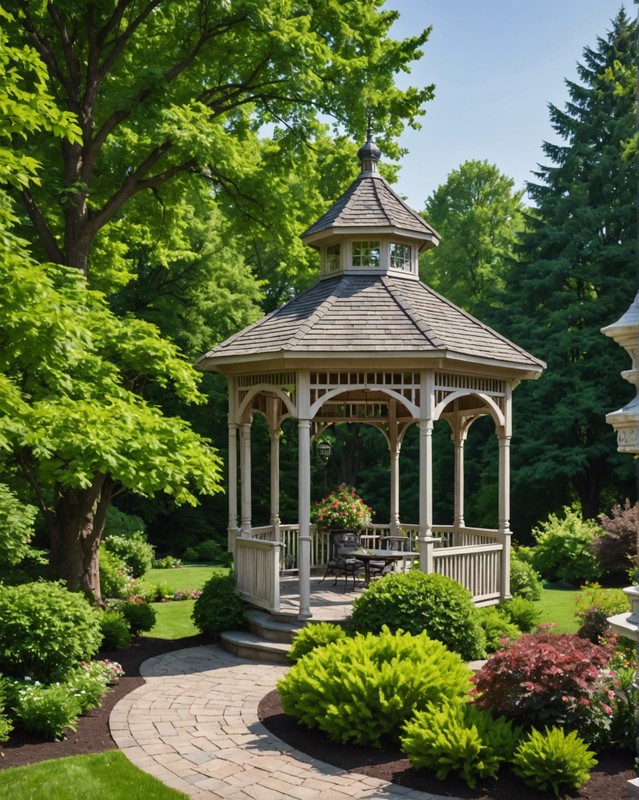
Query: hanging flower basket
{"x":342,"y":509}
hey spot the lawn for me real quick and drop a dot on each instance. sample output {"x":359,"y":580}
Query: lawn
{"x":108,"y":774}
{"x":188,"y":576}
{"x":558,"y":606}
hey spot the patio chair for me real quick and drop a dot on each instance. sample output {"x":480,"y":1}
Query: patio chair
{"x":342,"y":558}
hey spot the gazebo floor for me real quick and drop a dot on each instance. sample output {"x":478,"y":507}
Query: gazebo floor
{"x":329,"y":602}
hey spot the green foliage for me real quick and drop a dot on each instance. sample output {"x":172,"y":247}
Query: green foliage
{"x":365,"y":688}
{"x":524,"y":614}
{"x":416,"y":602}
{"x":158,"y":592}
{"x":564,"y":548}
{"x":479,"y":214}
{"x":553,"y":760}
{"x":6,"y":725}
{"x":87,"y":684}
{"x":458,"y":737}
{"x":616,"y":546}
{"x":168,"y":562}
{"x":47,"y":709}
{"x":116,"y":581}
{"x":118,"y":523}
{"x":209,"y":552}
{"x":133,"y":549}
{"x":116,"y":632}
{"x":316,"y":634}
{"x":219,"y":607}
{"x":139,"y":615}
{"x":16,"y":526}
{"x":45,"y":630}
{"x":525,"y":582}
{"x":593,"y":607}
{"x":497,"y":628}
{"x":576,"y":273}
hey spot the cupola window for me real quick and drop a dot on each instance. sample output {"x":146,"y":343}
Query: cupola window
{"x":332,"y":261}
{"x":401,"y":257}
{"x":366,"y":254}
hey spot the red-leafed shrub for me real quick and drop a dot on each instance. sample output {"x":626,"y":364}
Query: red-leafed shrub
{"x":547,"y":679}
{"x":616,"y":547}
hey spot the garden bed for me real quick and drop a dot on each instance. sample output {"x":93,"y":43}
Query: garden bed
{"x":607,"y":782}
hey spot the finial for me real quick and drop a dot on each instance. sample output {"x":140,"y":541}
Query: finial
{"x":369,"y":153}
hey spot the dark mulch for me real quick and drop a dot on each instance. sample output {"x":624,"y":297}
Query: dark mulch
{"x":607,"y":781}
{"x":92,"y":735}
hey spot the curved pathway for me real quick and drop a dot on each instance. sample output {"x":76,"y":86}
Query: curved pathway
{"x":194,"y":726}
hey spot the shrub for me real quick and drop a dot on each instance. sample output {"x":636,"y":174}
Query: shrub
{"x":314,"y":635}
{"x":158,"y":592}
{"x":116,"y":634}
{"x":524,"y":580}
{"x":416,"y":602}
{"x":134,"y":550}
{"x":45,"y":630}
{"x":88,"y":685}
{"x":458,"y":737}
{"x":553,"y":759}
{"x":497,"y":628}
{"x":208,"y":551}
{"x":546,"y":678}
{"x":168,"y":562}
{"x":140,"y":616}
{"x":616,"y":545}
{"x":120,"y":524}
{"x":564,"y":548}
{"x":593,"y":607}
{"x":116,"y":580}
{"x":6,"y":726}
{"x":364,"y":689}
{"x":219,"y":607}
{"x":522,"y":613}
{"x":47,"y":709}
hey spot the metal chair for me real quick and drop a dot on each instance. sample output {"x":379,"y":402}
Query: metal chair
{"x":342,"y":558}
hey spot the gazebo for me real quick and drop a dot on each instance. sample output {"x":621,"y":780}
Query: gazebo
{"x":368,"y":343}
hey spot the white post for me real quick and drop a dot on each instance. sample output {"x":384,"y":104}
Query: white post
{"x":245,"y":472}
{"x":426,"y":543}
{"x":459,"y":438}
{"x":304,"y":494}
{"x":394,"y":447}
{"x":232,"y":530}
{"x":505,"y":534}
{"x":275,"y":482}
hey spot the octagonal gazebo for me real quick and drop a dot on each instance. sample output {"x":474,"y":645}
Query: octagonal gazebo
{"x":368,"y":343}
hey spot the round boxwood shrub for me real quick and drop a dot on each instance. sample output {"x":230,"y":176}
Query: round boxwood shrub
{"x":140,"y":616}
{"x":416,"y":602}
{"x":365,"y":688}
{"x":524,"y":580}
{"x":219,"y":607}
{"x":134,"y":550}
{"x":316,"y":634}
{"x":115,"y":630}
{"x":45,"y":630}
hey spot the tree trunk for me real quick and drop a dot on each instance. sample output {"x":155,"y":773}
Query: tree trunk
{"x":75,"y":536}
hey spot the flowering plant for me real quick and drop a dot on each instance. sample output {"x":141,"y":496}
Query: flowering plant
{"x":342,"y":508}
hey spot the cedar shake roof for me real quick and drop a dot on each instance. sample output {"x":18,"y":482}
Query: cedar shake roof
{"x":369,"y":201}
{"x":350,"y":314}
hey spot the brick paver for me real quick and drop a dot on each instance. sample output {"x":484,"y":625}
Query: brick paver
{"x":194,"y":726}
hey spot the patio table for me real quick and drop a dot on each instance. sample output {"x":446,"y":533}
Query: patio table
{"x":387,"y":556}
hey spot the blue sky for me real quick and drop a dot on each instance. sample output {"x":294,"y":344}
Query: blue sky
{"x":496,"y":65}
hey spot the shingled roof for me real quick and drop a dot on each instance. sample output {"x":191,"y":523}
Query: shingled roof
{"x":371,"y":314}
{"x":370,"y":202}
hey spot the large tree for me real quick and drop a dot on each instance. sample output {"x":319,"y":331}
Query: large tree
{"x":165,"y":92}
{"x":577,"y":274}
{"x":479,"y":215}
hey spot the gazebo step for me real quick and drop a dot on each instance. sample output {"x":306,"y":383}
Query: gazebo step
{"x":247,"y":645}
{"x":280,"y":628}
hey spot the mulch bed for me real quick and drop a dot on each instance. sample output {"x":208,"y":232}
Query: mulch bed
{"x":607,"y":782}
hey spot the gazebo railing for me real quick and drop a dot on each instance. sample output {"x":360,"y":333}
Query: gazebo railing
{"x":472,"y":556}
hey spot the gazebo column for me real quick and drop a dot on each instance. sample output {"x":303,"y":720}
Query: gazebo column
{"x":304,"y":494}
{"x":232,"y":530}
{"x":245,"y":473}
{"x":273,"y":407}
{"x":426,"y":542}
{"x":459,"y":439}
{"x":505,"y":535}
{"x":394,"y":446}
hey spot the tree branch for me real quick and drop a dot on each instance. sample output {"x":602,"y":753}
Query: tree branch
{"x":47,"y":239}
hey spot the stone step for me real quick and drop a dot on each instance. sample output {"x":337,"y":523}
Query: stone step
{"x":273,"y":628}
{"x":247,"y":645}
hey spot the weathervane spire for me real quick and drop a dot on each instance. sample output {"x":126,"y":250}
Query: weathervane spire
{"x":369,"y":153}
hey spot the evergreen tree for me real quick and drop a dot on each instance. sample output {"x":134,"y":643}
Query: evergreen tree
{"x":577,"y":274}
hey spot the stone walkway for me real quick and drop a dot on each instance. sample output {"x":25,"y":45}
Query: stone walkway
{"x":194,"y":726}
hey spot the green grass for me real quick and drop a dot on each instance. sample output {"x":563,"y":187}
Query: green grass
{"x":96,"y":777}
{"x":558,"y":606}
{"x":188,"y":576}
{"x":173,"y":620}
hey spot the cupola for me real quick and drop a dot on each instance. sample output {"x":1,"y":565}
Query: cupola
{"x":370,"y":229}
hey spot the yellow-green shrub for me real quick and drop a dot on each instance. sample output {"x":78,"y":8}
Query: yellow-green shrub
{"x":364,"y":689}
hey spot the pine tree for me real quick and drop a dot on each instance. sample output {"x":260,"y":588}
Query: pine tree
{"x":576,"y":274}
